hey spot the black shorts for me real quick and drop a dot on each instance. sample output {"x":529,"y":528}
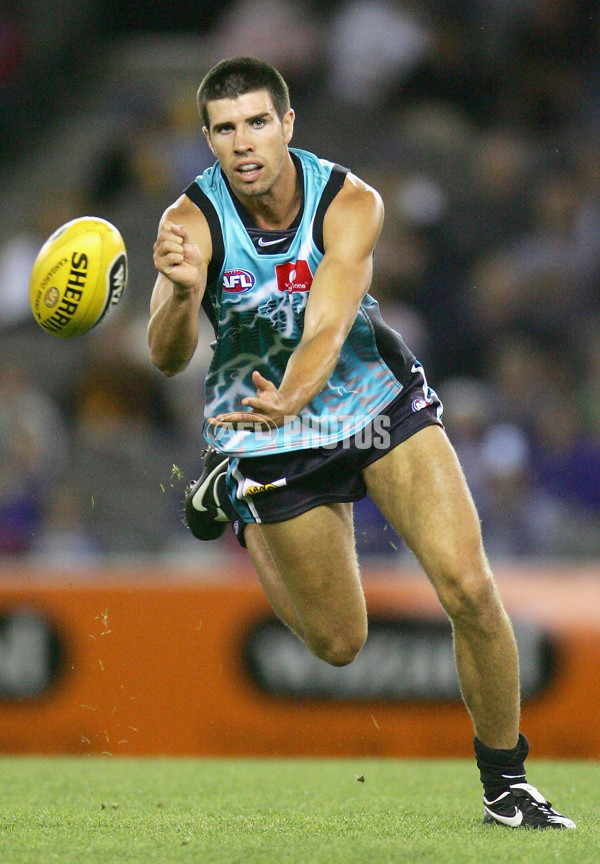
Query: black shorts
{"x":277,"y":487}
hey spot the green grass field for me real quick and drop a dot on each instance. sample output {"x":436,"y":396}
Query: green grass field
{"x":91,"y":810}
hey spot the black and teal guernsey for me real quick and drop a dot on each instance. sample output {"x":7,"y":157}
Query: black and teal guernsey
{"x":258,"y":286}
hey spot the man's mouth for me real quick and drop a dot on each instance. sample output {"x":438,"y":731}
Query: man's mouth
{"x":249,"y":170}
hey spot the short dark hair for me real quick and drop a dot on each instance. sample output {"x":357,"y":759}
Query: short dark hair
{"x":238,"y":75}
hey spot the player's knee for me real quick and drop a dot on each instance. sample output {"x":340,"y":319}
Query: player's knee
{"x":470,"y":598}
{"x":340,"y":649}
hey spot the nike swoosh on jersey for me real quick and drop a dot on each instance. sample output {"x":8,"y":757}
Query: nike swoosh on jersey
{"x":264,"y":243}
{"x":512,"y":821}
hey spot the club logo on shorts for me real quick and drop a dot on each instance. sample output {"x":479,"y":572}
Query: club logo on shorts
{"x":238,"y":281}
{"x":293,"y":277}
{"x":419,"y":404}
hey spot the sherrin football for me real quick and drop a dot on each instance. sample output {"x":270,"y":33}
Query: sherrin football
{"x":78,"y":276}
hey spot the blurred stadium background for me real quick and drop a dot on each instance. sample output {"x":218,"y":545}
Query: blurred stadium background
{"x":478,"y":122}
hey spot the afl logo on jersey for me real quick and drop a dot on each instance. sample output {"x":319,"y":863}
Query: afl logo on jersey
{"x":238,"y":281}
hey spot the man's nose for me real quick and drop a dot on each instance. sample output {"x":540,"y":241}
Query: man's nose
{"x":242,"y":141}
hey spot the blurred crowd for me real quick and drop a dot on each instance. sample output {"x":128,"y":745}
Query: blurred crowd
{"x":477,"y":120}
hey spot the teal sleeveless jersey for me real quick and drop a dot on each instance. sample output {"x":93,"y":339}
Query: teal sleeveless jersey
{"x":256,"y":302}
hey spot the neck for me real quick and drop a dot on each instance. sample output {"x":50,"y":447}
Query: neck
{"x":278,"y":207}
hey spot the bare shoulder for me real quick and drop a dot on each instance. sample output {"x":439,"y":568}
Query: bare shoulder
{"x":355,"y":192}
{"x":355,"y":212}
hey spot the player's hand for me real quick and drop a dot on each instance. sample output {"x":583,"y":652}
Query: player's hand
{"x":269,"y":408}
{"x":268,"y":401}
{"x":177,"y":256}
{"x":250,"y":421}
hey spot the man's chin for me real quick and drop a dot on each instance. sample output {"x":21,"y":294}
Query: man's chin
{"x":249,"y":190}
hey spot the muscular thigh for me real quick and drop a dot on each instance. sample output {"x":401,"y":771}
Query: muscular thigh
{"x":315,"y":557}
{"x":420,"y":488}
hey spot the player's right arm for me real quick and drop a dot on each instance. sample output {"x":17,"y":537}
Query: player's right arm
{"x":182,"y":252}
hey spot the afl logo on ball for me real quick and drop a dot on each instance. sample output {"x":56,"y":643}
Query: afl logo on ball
{"x":238,"y":281}
{"x":51,"y":296}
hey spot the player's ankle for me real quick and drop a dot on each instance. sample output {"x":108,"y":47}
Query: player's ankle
{"x":500,"y":768}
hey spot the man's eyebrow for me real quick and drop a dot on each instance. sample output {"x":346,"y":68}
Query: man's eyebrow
{"x":262,"y":116}
{"x":218,"y":126}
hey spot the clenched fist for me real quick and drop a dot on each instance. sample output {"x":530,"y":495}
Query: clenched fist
{"x":177,"y":256}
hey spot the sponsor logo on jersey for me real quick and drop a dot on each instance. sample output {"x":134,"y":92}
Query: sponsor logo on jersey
{"x":263,"y":243}
{"x":293,"y":277}
{"x":238,"y":281}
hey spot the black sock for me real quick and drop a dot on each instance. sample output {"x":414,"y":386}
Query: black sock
{"x":498,"y":769}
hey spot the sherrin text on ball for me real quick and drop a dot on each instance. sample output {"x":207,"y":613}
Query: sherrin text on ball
{"x":78,"y":276}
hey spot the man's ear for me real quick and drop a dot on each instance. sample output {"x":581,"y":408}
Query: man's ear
{"x":208,"y":141}
{"x":288,"y":125}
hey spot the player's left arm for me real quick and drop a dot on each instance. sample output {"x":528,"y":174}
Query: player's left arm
{"x":351,"y":229}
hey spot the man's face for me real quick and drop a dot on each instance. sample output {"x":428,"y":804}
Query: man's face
{"x":249,"y":140}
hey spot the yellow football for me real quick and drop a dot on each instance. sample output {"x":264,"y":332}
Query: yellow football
{"x":78,"y":276}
